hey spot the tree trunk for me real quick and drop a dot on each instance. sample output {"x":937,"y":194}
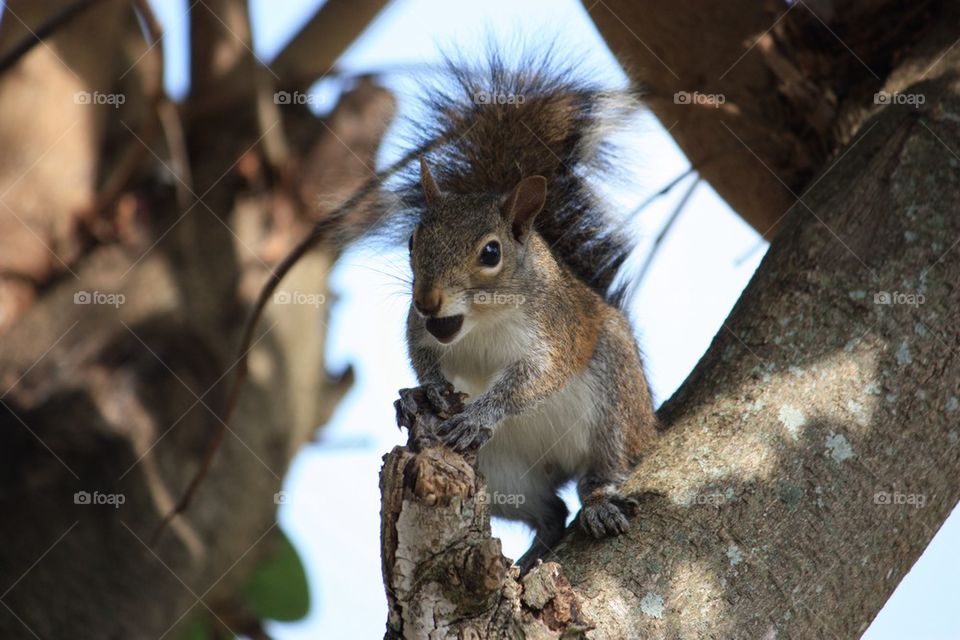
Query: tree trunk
{"x":806,"y":462}
{"x":134,"y":234}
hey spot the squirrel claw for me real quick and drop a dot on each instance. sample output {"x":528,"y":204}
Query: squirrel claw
{"x":438,"y":396}
{"x":628,"y":505}
{"x":422,"y":410}
{"x":462,"y":432}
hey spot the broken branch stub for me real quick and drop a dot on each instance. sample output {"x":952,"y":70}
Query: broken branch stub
{"x":444,"y":573}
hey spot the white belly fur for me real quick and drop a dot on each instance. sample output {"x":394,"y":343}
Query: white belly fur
{"x":531,"y":453}
{"x":556,"y":433}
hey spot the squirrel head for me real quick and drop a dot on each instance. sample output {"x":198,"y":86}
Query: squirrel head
{"x":467,"y":254}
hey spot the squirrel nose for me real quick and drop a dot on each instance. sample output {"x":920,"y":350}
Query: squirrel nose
{"x":428,"y":302}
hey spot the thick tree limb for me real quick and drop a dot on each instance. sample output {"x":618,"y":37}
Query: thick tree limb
{"x":769,"y":90}
{"x":221,"y":47}
{"x":56,"y":21}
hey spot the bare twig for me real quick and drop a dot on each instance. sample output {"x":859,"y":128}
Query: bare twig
{"x":155,"y":33}
{"x":666,"y":228}
{"x":166,"y":110}
{"x":742,"y":259}
{"x":399,"y":68}
{"x":667,"y":188}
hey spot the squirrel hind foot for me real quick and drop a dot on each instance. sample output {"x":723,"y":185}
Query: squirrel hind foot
{"x":607,"y":516}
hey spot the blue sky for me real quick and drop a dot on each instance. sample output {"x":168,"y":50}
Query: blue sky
{"x":706,"y":260}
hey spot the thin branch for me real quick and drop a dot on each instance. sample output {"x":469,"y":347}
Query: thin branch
{"x":166,"y":111}
{"x":315,"y":49}
{"x":742,"y":259}
{"x":667,"y":188}
{"x":275,"y":144}
{"x":666,"y":227}
{"x":154,"y":31}
{"x":399,"y":68}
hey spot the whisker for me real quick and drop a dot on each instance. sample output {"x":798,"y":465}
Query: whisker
{"x":402,"y":279}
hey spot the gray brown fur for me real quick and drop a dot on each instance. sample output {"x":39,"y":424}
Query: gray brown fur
{"x":560,"y":130}
{"x":555,"y":384}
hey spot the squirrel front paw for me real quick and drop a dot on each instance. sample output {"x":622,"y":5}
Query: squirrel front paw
{"x":464,"y":431}
{"x":607,"y":516}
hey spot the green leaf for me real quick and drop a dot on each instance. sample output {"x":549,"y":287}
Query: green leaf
{"x":278,"y":590}
{"x":198,"y":629}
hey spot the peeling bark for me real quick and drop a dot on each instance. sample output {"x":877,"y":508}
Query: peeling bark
{"x":444,"y":573}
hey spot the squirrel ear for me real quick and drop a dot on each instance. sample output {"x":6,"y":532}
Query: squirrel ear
{"x":430,"y":190}
{"x":523,"y":205}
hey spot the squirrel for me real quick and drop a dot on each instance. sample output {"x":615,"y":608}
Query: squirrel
{"x":514,"y":260}
{"x":514,"y":302}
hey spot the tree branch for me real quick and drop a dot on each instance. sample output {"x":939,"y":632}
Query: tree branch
{"x":221,"y":48}
{"x":57,"y":21}
{"x":315,"y":49}
{"x":771,"y":90}
{"x":809,"y":457}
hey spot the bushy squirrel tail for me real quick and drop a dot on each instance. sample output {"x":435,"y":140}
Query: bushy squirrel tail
{"x":500,"y":123}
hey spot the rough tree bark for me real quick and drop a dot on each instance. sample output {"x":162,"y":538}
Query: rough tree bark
{"x":811,"y":455}
{"x":133,"y":237}
{"x":791,"y":81}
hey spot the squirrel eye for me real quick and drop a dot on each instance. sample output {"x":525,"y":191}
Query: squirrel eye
{"x":410,"y":244}
{"x":490,"y":254}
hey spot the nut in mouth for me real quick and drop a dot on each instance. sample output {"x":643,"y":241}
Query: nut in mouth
{"x":445,"y":329}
